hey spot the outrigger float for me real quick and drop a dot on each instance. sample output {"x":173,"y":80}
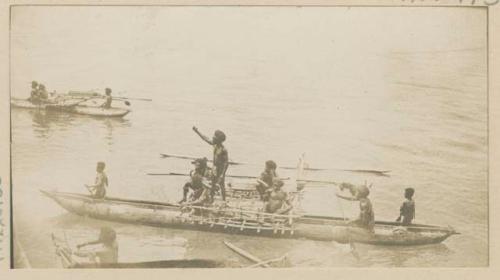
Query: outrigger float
{"x":238,"y":221}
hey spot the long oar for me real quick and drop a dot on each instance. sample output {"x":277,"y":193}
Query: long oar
{"x":246,"y":254}
{"x":375,"y":172}
{"x":230,"y":176}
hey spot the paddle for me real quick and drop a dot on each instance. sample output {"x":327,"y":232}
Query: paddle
{"x":375,"y":172}
{"x":230,"y":176}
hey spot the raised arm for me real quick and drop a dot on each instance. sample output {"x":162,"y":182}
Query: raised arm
{"x":350,"y":198}
{"x":203,"y":137}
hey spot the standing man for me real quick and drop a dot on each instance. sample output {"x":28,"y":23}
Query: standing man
{"x":220,"y":160}
{"x":98,"y":189}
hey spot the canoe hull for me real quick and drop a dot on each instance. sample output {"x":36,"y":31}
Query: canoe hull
{"x":101,"y":112}
{"x":308,"y":227}
{"x":71,"y":107}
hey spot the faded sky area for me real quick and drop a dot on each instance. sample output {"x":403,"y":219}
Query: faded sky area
{"x":275,"y":47}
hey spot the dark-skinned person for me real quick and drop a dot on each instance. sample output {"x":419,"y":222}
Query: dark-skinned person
{"x":98,"y":189}
{"x":220,"y":160}
{"x":106,"y":253}
{"x":366,"y":218}
{"x":35,"y":94}
{"x":278,"y":202}
{"x":200,"y":169}
{"x":108,"y":99}
{"x":266,"y":179}
{"x":407,"y":209}
{"x":202,"y":197}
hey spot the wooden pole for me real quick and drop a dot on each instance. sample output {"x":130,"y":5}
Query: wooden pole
{"x":246,"y":254}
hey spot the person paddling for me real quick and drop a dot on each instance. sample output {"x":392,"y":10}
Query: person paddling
{"x":265,"y":181}
{"x":407,"y":209}
{"x":109,"y":99}
{"x":366,"y":218}
{"x":220,"y":160}
{"x":98,"y":189}
{"x":107,"y":253}
{"x":200,"y":169}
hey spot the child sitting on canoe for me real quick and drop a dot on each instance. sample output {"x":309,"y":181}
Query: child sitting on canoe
{"x":366,"y":218}
{"x":407,"y":209}
{"x":265,"y":182}
{"x":200,"y":169}
{"x":98,"y":189}
{"x":278,"y":202}
{"x":106,"y":253}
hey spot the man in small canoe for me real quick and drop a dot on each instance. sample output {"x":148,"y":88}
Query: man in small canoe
{"x":109,"y":99}
{"x":265,"y":182}
{"x":407,"y":209}
{"x":106,"y":253}
{"x":220,"y":160}
{"x":34,"y":95}
{"x":366,"y":218}
{"x":200,"y":169}
{"x":98,"y":189}
{"x":278,"y":202}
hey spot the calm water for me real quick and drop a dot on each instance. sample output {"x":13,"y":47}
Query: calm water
{"x":420,"y":114}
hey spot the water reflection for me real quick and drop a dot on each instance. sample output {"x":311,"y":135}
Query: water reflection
{"x":45,"y":123}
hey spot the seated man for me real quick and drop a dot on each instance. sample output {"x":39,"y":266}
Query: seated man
{"x":265,"y":182}
{"x":107,"y":253}
{"x":407,"y":210}
{"x":34,"y":95}
{"x":200,"y":169}
{"x":109,"y":99}
{"x":98,"y":189}
{"x":366,"y":218}
{"x":278,"y":202}
{"x":44,"y":95}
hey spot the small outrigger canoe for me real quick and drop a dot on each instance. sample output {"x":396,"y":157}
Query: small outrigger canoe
{"x":237,"y":221}
{"x":100,"y":112}
{"x":71,"y":106}
{"x":68,"y":260}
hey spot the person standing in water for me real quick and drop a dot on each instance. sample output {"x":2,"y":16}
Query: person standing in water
{"x":220,"y":160}
{"x":98,"y":189}
{"x":407,"y":209}
{"x":109,"y":99}
{"x":108,"y":253}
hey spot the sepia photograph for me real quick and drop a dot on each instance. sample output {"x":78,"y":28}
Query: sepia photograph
{"x":249,"y":136}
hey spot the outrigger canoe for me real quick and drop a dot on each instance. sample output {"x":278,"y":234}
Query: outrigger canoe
{"x":237,"y":221}
{"x":72,"y":107}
